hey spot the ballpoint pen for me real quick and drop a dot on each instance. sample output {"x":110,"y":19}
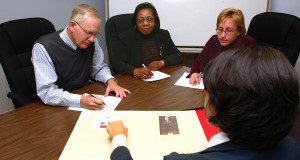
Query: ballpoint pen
{"x":144,"y":66}
{"x":147,"y":69}
{"x":96,"y":98}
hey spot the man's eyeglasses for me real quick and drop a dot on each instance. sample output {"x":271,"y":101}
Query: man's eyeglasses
{"x":88,"y":33}
{"x":142,"y":20}
{"x":226,"y":31}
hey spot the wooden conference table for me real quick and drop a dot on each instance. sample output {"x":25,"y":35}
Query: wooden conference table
{"x":38,"y":131}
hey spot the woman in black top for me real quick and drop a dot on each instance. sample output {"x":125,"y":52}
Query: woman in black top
{"x":145,"y":44}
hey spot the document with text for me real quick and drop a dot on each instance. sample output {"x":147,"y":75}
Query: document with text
{"x":184,"y":82}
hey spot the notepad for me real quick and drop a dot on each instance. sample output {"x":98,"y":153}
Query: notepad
{"x":157,"y":75}
{"x":184,"y":82}
{"x":111,"y":104}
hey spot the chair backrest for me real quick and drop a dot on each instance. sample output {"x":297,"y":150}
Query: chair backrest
{"x":278,"y":30}
{"x":114,"y":26}
{"x":16,"y":41}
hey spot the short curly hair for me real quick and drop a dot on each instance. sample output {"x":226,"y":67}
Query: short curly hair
{"x":145,"y":5}
{"x":255,"y":93}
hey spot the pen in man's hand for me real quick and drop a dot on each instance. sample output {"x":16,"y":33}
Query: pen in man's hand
{"x":96,"y":98}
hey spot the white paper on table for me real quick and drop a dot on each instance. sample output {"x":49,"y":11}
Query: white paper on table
{"x":102,"y":119}
{"x":157,"y":75}
{"x":111,"y":104}
{"x":143,"y":130}
{"x":184,"y":82}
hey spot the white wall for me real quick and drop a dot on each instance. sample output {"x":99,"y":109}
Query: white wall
{"x":290,"y":7}
{"x":286,"y":6}
{"x":191,"y":22}
{"x":57,"y":11}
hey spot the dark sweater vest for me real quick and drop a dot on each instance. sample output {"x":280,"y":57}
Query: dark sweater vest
{"x":71,"y":66}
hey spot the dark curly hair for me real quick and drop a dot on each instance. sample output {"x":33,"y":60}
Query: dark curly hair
{"x":146,"y":5}
{"x":255,"y":94}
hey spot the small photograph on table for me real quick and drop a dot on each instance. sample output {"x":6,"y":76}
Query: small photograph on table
{"x":168,"y":125}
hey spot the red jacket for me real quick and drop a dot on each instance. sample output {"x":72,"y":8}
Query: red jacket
{"x":213,"y":48}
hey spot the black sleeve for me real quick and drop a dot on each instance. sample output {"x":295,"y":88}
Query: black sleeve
{"x":170,"y":54}
{"x":119,"y":58}
{"x":121,"y":153}
{"x":192,"y":156}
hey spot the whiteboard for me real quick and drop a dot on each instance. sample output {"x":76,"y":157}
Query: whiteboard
{"x":190,"y":22}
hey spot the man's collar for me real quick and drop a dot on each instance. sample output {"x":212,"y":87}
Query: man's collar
{"x":65,"y":37}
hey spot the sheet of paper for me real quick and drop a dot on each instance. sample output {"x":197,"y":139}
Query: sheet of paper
{"x":157,"y":75}
{"x":111,"y":104}
{"x":102,"y":119}
{"x":184,"y":82}
{"x":143,"y":136}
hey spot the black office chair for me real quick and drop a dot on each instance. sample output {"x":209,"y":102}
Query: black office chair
{"x":114,"y":26}
{"x":278,"y":30}
{"x":16,"y":41}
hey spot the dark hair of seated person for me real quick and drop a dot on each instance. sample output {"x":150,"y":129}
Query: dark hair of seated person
{"x":255,"y":93}
{"x":145,"y":5}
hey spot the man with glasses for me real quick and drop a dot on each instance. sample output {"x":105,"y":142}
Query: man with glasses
{"x":230,"y":33}
{"x":66,"y":60}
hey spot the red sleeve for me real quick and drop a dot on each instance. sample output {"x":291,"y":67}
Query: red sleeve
{"x":211,"y":50}
{"x":203,"y":58}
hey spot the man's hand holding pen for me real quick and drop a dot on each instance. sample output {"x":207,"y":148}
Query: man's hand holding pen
{"x":195,"y":78}
{"x":92,"y":102}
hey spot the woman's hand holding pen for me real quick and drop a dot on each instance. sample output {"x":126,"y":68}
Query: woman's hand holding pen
{"x":155,"y":65}
{"x":142,"y":73}
{"x":195,"y":78}
{"x":92,"y":102}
